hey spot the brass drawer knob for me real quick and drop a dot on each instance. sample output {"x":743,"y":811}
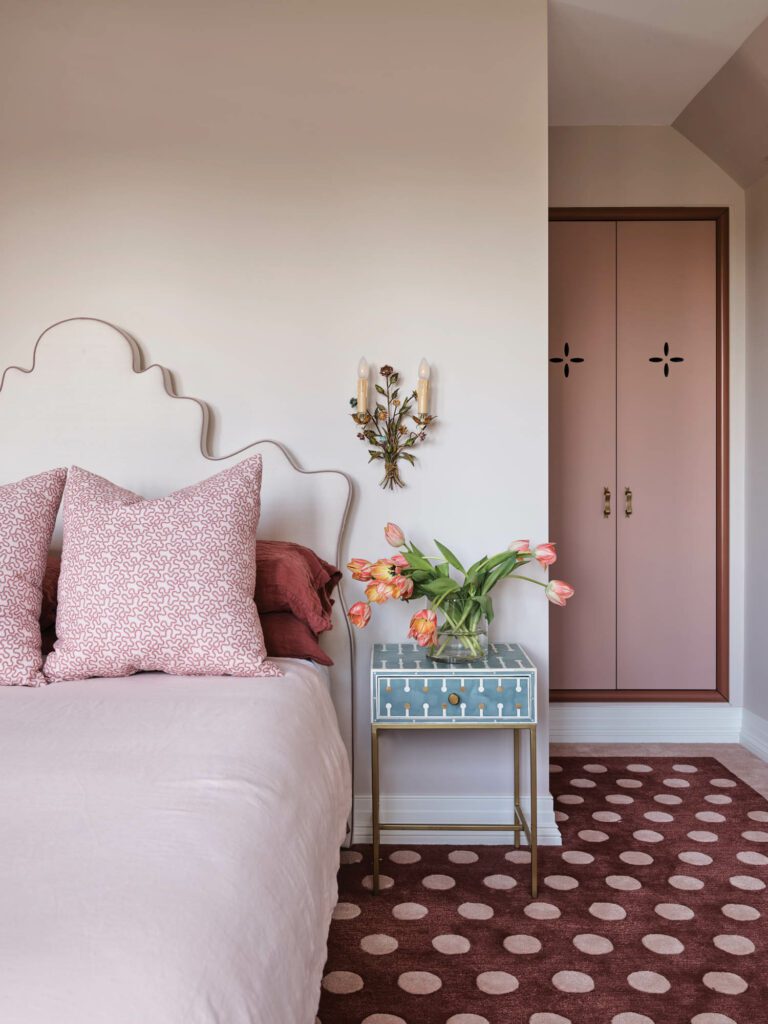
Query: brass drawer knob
{"x":454,"y":698}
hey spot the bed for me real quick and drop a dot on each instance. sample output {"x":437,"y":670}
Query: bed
{"x":170,"y":844}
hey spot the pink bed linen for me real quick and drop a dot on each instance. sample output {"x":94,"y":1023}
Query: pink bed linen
{"x":170,"y":848}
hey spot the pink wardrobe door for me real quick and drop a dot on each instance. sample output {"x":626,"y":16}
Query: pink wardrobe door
{"x":666,"y":423}
{"x":582,"y":404}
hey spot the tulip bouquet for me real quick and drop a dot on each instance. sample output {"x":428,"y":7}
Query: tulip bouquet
{"x":465,"y":604}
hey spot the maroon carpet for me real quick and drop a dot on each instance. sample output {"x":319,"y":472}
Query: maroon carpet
{"x":652,"y":912}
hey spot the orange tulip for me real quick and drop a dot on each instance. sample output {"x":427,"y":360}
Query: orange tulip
{"x":558,"y":592}
{"x":383,"y":570}
{"x":378,"y":593}
{"x":360,"y":569}
{"x":545,"y":554}
{"x":394,"y":535}
{"x":400,"y":561}
{"x":423,"y":627}
{"x":359,"y":614}
{"x":402,"y":587}
{"x":520,"y":547}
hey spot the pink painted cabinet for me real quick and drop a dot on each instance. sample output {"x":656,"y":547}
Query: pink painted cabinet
{"x":633,"y":455}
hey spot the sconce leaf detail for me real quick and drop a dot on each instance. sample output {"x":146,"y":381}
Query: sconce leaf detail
{"x":566,"y":359}
{"x":386,"y":431}
{"x":666,"y":359}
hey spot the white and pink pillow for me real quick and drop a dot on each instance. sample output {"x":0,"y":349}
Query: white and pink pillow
{"x":27,"y":517}
{"x":163,"y":585}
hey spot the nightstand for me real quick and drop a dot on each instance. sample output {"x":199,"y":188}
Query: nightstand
{"x":410,"y":692}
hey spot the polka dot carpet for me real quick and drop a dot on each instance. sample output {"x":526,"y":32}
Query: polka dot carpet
{"x":652,"y":912}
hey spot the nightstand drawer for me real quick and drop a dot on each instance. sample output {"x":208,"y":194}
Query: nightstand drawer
{"x":437,"y":699}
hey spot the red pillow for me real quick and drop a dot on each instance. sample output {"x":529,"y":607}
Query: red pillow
{"x":292,"y":578}
{"x":289,"y":637}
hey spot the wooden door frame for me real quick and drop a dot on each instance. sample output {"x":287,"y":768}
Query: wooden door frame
{"x":720,"y":216}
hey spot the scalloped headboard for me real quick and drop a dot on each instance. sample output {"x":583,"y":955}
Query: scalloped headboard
{"x":86,"y":398}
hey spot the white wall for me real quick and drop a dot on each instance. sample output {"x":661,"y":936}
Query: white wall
{"x":263,"y":192}
{"x":756,"y":680}
{"x":656,"y":166}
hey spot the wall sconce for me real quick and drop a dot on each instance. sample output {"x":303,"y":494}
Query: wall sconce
{"x":385,"y":430}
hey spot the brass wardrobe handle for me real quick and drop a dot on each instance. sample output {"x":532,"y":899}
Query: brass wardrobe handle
{"x":627,"y":502}
{"x":606,"y":502}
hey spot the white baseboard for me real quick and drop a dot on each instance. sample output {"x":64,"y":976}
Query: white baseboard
{"x":461,"y":809}
{"x":617,"y":722}
{"x":754,"y":734}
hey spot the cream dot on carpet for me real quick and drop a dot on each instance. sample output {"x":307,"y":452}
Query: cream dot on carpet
{"x":583,"y":783}
{"x":476,"y":911}
{"x":385,"y":882}
{"x":674,"y":911}
{"x":467,"y":1018}
{"x":647,"y":835}
{"x":639,"y":768}
{"x":554,"y":768}
{"x":629,"y":783}
{"x":725,"y":983}
{"x":548,"y":1018}
{"x":341,"y":983}
{"x":572,"y":981}
{"x":541,"y":911}
{"x":596,"y":769}
{"x":668,"y":799}
{"x":719,"y":798}
{"x":350,"y":857}
{"x":608,"y":911}
{"x":561,"y":882}
{"x":688,"y":769}
{"x":712,"y":1018}
{"x":619,"y":798}
{"x":736,"y":945}
{"x":686,"y":882}
{"x":606,"y":816}
{"x":649,"y":981}
{"x":409,"y":911}
{"x":463,"y":857}
{"x":438,"y":882}
{"x":405,"y":857}
{"x":572,"y":799}
{"x":694,"y":857}
{"x":496,"y":983}
{"x":383,"y":1018}
{"x":345,"y":911}
{"x":702,"y":837}
{"x":758,"y":815}
{"x":712,"y":817}
{"x":450,"y":945}
{"x":522,"y":944}
{"x":755,"y":837}
{"x":590,"y":835}
{"x":747,"y":882}
{"x":661,"y":817}
{"x":594,"y":945}
{"x":677,"y":783}
{"x":419,"y":983}
{"x":636,"y":857}
{"x":502,"y":882}
{"x":577,"y":857}
{"x":740,"y":912}
{"x":378,"y":945}
{"x":626,"y":883}
{"x":561,"y":816}
{"x":752,"y":857}
{"x":631,"y":1018}
{"x":722,"y":783}
{"x":518,"y":857}
{"x":664,"y":945}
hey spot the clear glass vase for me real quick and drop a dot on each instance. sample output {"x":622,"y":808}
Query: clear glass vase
{"x":459,"y":644}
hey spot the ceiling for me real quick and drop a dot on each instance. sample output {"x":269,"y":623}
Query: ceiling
{"x":631,"y":62}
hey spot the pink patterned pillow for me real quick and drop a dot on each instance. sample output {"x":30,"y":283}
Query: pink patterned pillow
{"x":163,"y":585}
{"x":27,"y":516}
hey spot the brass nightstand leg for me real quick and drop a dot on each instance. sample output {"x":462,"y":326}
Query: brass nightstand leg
{"x":375,"y":804}
{"x":516,"y":767}
{"x":534,"y":816}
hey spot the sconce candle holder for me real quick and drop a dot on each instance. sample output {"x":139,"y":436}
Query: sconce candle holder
{"x":385,"y":430}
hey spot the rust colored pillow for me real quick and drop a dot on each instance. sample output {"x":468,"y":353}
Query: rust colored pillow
{"x":289,"y":637}
{"x":292,"y":578}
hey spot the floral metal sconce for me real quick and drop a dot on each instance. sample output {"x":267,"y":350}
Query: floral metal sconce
{"x":384,"y":430}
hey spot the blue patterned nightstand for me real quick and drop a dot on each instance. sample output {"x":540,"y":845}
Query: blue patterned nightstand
{"x":411,"y":692}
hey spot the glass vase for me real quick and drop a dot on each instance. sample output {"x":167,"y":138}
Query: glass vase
{"x":459,"y":644}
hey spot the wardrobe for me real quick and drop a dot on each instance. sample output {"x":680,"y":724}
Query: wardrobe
{"x":638,"y":453}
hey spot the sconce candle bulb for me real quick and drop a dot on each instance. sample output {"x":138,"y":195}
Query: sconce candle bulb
{"x":362,"y":387}
{"x":422,"y":388}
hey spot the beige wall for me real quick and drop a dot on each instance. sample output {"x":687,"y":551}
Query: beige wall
{"x":263,"y":192}
{"x":656,"y":166}
{"x":756,"y":680}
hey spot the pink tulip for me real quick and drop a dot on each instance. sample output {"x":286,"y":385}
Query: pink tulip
{"x":402,"y":587}
{"x":520,"y":547}
{"x":423,"y":627}
{"x":545,"y":554}
{"x":400,"y":561}
{"x":384,"y":569}
{"x":360,"y":569}
{"x":379,"y":593}
{"x":394,"y":535}
{"x":359,"y":614}
{"x":558,"y":592}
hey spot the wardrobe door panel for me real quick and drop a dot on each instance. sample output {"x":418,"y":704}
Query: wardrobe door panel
{"x":666,"y":428}
{"x":582,"y":331}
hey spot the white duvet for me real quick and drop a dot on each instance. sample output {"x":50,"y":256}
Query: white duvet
{"x":168,"y":849}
